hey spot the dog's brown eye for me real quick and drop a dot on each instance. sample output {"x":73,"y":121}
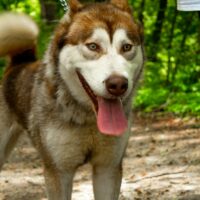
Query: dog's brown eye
{"x":127,"y":47}
{"x":93,"y":46}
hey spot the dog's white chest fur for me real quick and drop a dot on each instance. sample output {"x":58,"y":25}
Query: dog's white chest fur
{"x":75,"y":144}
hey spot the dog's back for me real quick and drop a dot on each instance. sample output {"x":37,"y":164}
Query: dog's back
{"x":18,"y":37}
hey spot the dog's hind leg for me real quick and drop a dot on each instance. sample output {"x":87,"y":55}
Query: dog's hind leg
{"x":8,"y":139}
{"x":9,"y":133}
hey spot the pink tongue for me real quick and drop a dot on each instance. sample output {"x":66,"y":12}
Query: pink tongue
{"x":111,"y":119}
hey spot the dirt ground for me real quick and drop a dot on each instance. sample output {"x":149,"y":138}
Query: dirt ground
{"x":162,"y":163}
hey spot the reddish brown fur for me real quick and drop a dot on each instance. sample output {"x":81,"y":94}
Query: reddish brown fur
{"x":96,"y":16}
{"x":50,"y":88}
{"x":122,"y":4}
{"x":90,"y":17}
{"x":18,"y":83}
{"x":59,"y":41}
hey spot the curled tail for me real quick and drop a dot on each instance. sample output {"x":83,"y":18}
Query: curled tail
{"x":18,"y":37}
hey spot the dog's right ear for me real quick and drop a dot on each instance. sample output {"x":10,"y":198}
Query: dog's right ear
{"x":74,"y":6}
{"x":122,"y":4}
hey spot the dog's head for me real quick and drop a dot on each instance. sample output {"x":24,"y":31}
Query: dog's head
{"x":100,"y":57}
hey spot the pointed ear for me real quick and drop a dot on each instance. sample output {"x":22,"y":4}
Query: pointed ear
{"x":122,"y":4}
{"x":74,"y":6}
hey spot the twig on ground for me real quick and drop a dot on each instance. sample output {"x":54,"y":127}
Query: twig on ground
{"x":160,"y":174}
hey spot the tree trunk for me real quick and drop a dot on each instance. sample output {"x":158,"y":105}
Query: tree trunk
{"x":141,"y":16}
{"x":182,"y":45}
{"x":42,"y":8}
{"x":48,"y":10}
{"x":198,"y":40}
{"x":156,"y":35}
{"x":169,"y":46}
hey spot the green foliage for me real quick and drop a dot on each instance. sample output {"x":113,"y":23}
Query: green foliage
{"x":158,"y":98}
{"x":180,"y":97}
{"x":171,"y":79}
{"x":181,"y":103}
{"x":31,"y":7}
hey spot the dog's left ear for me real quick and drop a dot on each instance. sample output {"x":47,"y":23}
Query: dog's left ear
{"x":122,"y":4}
{"x":74,"y":6}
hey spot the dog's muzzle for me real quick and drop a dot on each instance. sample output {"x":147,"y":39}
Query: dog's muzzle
{"x":111,"y":119}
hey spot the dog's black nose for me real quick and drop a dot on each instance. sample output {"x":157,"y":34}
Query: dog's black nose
{"x":116,"y":85}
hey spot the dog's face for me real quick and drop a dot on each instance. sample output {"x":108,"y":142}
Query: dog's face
{"x":100,"y":59}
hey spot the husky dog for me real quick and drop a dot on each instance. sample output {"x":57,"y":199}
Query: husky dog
{"x":75,"y":105}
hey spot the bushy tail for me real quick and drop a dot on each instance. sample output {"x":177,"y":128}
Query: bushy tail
{"x":18,"y":35}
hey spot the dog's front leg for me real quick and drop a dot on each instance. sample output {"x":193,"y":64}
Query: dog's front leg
{"x":58,"y":185}
{"x":107,"y":182}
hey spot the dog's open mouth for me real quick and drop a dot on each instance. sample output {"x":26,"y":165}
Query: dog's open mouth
{"x":111,"y":119}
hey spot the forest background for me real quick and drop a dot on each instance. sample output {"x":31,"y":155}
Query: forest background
{"x":171,"y":82}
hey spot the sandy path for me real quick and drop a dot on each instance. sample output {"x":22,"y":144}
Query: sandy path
{"x":162,"y":162}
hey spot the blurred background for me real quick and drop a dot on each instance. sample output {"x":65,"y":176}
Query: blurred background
{"x":171,"y":82}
